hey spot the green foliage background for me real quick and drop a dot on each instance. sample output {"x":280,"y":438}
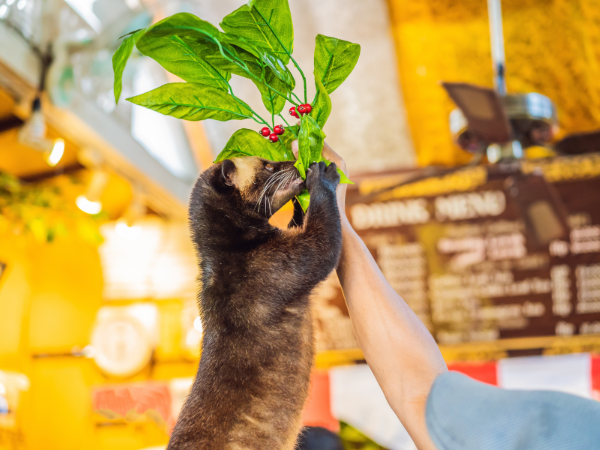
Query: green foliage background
{"x":41,"y":211}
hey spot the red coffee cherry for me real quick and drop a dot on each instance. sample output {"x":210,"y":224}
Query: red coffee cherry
{"x":266,"y":131}
{"x":308,"y":108}
{"x":293,"y":112}
{"x":302,"y":109}
{"x":279,"y":129}
{"x":273,"y":138}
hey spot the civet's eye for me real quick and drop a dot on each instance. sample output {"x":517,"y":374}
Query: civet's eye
{"x":270,"y":167}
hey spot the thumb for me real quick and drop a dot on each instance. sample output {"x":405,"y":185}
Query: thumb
{"x":295,"y":148}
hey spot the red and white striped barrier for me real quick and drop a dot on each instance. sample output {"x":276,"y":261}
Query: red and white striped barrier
{"x":355,"y":396}
{"x":351,"y":393}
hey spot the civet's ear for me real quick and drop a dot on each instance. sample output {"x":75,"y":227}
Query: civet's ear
{"x":228,"y":170}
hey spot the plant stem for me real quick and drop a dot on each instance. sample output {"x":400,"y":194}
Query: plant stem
{"x":303,"y":78}
{"x":238,"y":100}
{"x":254,"y":113}
{"x":262,"y":121}
{"x":294,"y":94}
{"x":283,"y":118}
{"x":288,"y":125}
{"x":286,"y":51}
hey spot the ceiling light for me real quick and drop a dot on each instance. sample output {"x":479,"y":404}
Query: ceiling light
{"x":126,"y":226}
{"x":57,"y":152}
{"x":21,"y":5}
{"x":33,"y":135}
{"x":3,"y":11}
{"x":90,"y":201}
{"x":88,"y":206}
{"x":136,"y":209}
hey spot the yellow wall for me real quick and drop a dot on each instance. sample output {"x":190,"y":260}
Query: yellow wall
{"x":49,"y":296}
{"x":552,"y":47}
{"x":14,"y":294}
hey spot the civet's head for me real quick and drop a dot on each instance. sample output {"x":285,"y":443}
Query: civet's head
{"x":259,"y":187}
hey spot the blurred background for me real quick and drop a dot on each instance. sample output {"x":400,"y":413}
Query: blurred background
{"x":470,"y":129}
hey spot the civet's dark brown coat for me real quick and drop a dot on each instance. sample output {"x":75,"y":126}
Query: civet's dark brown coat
{"x":257,"y":354}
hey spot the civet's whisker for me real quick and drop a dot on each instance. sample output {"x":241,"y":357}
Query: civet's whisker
{"x":270,"y":182}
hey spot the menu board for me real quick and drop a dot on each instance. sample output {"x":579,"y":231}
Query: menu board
{"x":488,"y":253}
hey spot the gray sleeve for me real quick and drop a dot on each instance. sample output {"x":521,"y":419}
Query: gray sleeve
{"x":464,"y":414}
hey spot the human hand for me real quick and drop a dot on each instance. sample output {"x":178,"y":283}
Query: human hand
{"x":332,"y":156}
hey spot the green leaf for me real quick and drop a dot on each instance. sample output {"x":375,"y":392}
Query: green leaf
{"x":311,"y":140}
{"x":334,"y":61}
{"x":343,"y":178}
{"x":196,"y":51}
{"x":272,"y":101}
{"x":232,"y":59}
{"x":322,"y":105}
{"x":183,"y":58}
{"x":209,"y":44}
{"x":240,"y":42}
{"x":290,"y":135}
{"x":304,"y":199}
{"x":262,"y":75}
{"x":130,"y":33}
{"x":264,"y":58}
{"x":266,"y":23}
{"x":181,"y":43}
{"x":182,"y":39}
{"x":301,"y":169}
{"x":120,"y":58}
{"x":242,"y":52}
{"x":279,"y":69}
{"x":247,"y":142}
{"x":184,"y":24}
{"x":193,"y":101}
{"x":310,"y":144}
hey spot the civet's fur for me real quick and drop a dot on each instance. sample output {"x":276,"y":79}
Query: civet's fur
{"x":257,"y":354}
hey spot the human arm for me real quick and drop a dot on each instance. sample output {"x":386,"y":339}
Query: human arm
{"x":397,"y":346}
{"x":399,"y":349}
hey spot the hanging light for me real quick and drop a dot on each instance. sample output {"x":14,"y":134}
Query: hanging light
{"x":126,"y":226}
{"x":58,"y":149}
{"x":90,"y":201}
{"x":88,"y":206}
{"x":33,"y":135}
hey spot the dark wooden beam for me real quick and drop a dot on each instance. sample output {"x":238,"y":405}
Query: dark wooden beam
{"x":55,"y":172}
{"x":10,"y":123}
